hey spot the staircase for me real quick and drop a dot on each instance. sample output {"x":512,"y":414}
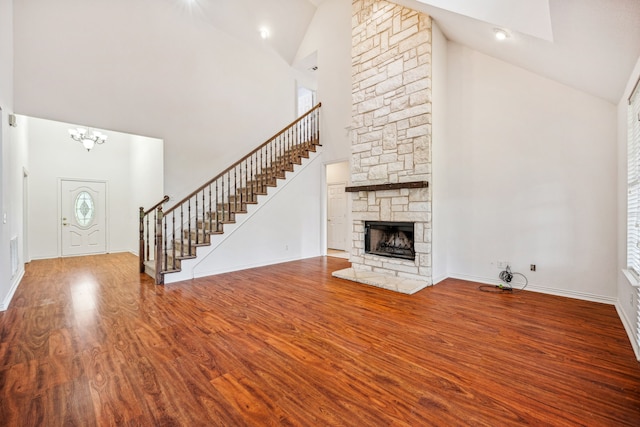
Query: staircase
{"x":170,"y":236}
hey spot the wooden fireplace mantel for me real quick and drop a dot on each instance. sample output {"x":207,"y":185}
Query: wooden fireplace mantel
{"x":382,"y":187}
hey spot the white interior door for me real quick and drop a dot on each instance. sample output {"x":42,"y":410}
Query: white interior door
{"x":306,"y":100}
{"x":337,"y":217}
{"x":83,"y":217}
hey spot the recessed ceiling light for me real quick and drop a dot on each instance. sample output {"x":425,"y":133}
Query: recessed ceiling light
{"x":500,"y":34}
{"x":264,"y":33}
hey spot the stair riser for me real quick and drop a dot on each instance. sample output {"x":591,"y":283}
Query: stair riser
{"x":231,"y":208}
{"x":256,"y":188}
{"x":270,"y":176}
{"x":227,"y":218}
{"x":201,"y":236}
{"x":183,"y":249}
{"x":244,"y":200}
{"x":208,"y":226}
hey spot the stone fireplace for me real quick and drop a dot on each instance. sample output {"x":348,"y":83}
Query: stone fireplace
{"x":391,"y":142}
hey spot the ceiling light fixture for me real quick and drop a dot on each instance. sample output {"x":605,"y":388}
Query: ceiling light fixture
{"x":264,"y":33}
{"x":500,"y":34}
{"x":88,"y":139}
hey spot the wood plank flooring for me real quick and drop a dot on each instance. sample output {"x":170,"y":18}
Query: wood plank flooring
{"x":90,"y":342}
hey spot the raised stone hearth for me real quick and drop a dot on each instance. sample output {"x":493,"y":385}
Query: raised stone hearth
{"x":392,"y":283}
{"x":391,"y":139}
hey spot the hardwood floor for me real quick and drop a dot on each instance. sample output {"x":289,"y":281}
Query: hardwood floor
{"x":88,"y":341}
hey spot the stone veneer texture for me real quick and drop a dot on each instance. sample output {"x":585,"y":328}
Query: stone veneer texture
{"x":391,"y":129}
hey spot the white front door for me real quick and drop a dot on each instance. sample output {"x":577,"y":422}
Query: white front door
{"x":83,"y":217}
{"x":337,"y":216}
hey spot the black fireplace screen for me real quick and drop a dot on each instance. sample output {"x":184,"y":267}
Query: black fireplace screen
{"x":390,"y":239}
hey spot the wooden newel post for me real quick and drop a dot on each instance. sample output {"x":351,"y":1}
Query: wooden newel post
{"x":159,"y":252}
{"x":141,"y":247}
{"x":318,"y":126}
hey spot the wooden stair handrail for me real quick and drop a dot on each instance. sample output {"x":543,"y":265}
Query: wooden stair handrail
{"x":164,"y":200}
{"x":212,"y":180}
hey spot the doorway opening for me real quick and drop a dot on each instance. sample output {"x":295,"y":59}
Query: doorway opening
{"x":132,"y":165}
{"x":306,"y":99}
{"x":337,"y":210}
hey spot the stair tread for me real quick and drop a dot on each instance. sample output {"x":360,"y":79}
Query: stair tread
{"x":183,"y":257}
{"x":207,"y":231}
{"x":193,"y":243}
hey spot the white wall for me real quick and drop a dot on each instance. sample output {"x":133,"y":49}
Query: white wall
{"x":530,"y":171}
{"x":329,"y":38}
{"x":19,"y":155}
{"x":329,"y":35}
{"x":438,"y":184}
{"x":338,"y":173}
{"x":627,"y":295}
{"x":283,"y":226}
{"x":146,"y":157}
{"x":149,"y":67}
{"x":284,"y":229}
{"x":12,"y":161}
{"x":54,"y":155}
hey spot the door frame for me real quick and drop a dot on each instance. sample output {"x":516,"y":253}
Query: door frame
{"x":25,"y":215}
{"x":326,"y":182}
{"x":106,"y":211}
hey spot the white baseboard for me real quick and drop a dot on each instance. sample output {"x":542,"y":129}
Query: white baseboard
{"x":627,"y":323}
{"x":585,"y":296}
{"x":251,"y":265}
{"x":14,"y":286}
{"x":628,"y":327}
{"x":436,"y":280}
{"x":115,"y":251}
{"x":41,"y":257}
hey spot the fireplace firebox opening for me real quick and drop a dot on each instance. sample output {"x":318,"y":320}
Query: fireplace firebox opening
{"x":389,"y":239}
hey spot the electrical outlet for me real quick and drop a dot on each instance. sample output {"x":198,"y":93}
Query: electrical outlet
{"x":533,"y":267}
{"x":502,"y":264}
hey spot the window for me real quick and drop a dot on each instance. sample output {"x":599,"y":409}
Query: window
{"x":84,"y":209}
{"x":633,"y":184}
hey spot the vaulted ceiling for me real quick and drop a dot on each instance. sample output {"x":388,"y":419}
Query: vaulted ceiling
{"x":286,"y":21}
{"x":591,"y":45}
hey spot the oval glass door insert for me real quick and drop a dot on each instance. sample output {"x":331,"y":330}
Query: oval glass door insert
{"x":84,"y":209}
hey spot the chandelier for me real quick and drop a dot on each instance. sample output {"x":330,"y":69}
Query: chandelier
{"x":87,"y":138}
